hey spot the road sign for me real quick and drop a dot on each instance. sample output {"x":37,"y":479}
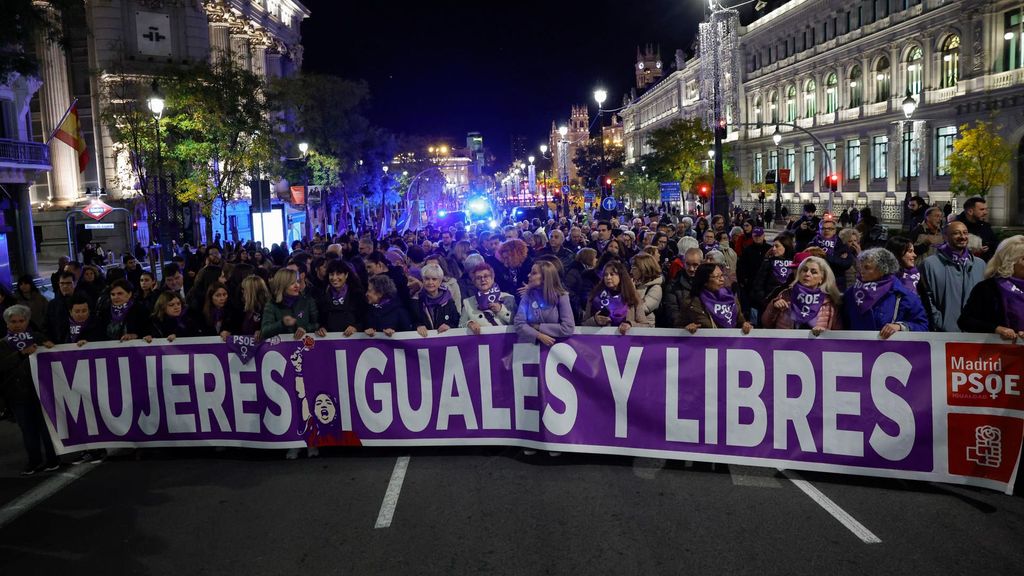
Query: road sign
{"x":314,"y":196}
{"x":609,"y":204}
{"x":671,"y":191}
{"x":565,"y":189}
{"x":97,"y":209}
{"x":99,"y":225}
{"x":588,"y":196}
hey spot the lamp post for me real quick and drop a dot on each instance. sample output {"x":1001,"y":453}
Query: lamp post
{"x":909,"y":105}
{"x":600,"y":96}
{"x":777,"y":139}
{"x":531,"y":177}
{"x":383,"y":199}
{"x":156,"y":106}
{"x":563,"y":166}
{"x":304,"y":155}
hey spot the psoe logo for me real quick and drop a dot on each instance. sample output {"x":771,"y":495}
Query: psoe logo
{"x":988,"y":447}
{"x":986,"y":375}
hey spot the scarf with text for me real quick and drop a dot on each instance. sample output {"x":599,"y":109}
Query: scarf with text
{"x":805,"y":304}
{"x":720,"y":306}
{"x":867,"y":294}
{"x":613,"y":303}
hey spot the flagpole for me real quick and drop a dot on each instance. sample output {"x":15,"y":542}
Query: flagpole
{"x":62,"y":119}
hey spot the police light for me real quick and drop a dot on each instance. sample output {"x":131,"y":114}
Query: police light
{"x":493,"y":224}
{"x":442,"y":213}
{"x":479,"y":206}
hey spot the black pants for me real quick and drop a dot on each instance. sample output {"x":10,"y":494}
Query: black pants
{"x":33,"y":432}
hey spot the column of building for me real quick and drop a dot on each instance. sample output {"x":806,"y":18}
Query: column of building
{"x":55,"y":98}
{"x":220,"y":40}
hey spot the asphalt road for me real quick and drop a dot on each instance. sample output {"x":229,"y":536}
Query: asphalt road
{"x":485,"y":510}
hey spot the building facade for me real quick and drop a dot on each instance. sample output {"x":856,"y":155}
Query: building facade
{"x":136,"y":39}
{"x":564,"y":150}
{"x":832,"y":77}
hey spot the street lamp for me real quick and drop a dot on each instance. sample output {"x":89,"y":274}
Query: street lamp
{"x":383,"y":202}
{"x":563,"y":165}
{"x":777,"y":139}
{"x":600,"y":95}
{"x":909,"y":105}
{"x":156,"y":106}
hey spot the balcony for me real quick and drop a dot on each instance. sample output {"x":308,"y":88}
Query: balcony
{"x":941,"y":95}
{"x":876,"y":108}
{"x":805,"y":122}
{"x":825,"y":119}
{"x":849,"y":114}
{"x":1005,"y":79}
{"x":22,"y":155}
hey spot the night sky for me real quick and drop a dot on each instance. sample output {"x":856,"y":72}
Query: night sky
{"x":444,"y":68}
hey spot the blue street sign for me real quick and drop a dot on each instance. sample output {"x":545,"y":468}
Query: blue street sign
{"x":671,"y":191}
{"x":565,"y":189}
{"x":588,"y":196}
{"x":609,"y":204}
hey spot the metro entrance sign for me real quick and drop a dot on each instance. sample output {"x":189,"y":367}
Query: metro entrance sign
{"x":97,"y":209}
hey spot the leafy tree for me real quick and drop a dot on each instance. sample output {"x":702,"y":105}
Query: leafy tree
{"x":980,"y":161}
{"x":24,"y":21}
{"x":219,"y":131}
{"x":637,"y":186}
{"x":679,"y":152}
{"x":588,"y":162}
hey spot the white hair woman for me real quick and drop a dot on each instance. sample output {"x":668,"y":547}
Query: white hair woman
{"x":434,"y":303}
{"x":879,"y":301}
{"x":812,"y":301}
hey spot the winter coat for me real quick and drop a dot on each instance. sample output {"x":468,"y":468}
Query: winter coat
{"x":471,"y":312}
{"x":668,"y":314}
{"x":434,"y":317}
{"x":984,"y":311}
{"x":303,"y":311}
{"x":391,"y":315}
{"x":16,"y":384}
{"x":556,"y":321}
{"x":829,"y":316}
{"x":338,"y":317}
{"x":635,"y":315}
{"x":579,"y":281}
{"x":168,"y":326}
{"x":910,"y":312}
{"x":135,"y":322}
{"x":693,"y":312}
{"x":652,"y":293}
{"x":36,"y":303}
{"x":765,"y":283}
{"x":948,"y":288}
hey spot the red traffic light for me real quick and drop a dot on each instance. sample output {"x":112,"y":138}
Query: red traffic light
{"x":704,"y":190}
{"x":608,"y":181}
{"x":833,"y":181}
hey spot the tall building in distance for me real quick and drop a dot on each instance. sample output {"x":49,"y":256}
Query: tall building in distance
{"x":518,"y":148}
{"x":578,"y":135}
{"x":477,"y":154}
{"x":612,"y":134}
{"x":649,"y":68}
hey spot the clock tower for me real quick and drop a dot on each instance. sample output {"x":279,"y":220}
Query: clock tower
{"x":649,"y":68}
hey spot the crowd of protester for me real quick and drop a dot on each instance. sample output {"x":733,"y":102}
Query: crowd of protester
{"x":543,"y":278}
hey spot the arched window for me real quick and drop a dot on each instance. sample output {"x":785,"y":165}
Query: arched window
{"x":950,"y":61}
{"x":831,"y":93}
{"x":773,"y":107}
{"x":810,"y":99}
{"x":758,"y":115}
{"x":856,"y":87}
{"x":882,"y":80}
{"x":791,"y":103}
{"x":915,"y":71}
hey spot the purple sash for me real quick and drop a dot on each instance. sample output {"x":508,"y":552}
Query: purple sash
{"x":910,"y":277}
{"x":805,"y":304}
{"x":720,"y":306}
{"x":705,"y":248}
{"x":443,"y":297}
{"x":617,"y":309}
{"x":826,"y":244}
{"x":781,"y":270}
{"x":1012,"y":291}
{"x":961,"y":258}
{"x":20,"y":340}
{"x":867,"y":294}
{"x":75,"y":331}
{"x":484,"y":301}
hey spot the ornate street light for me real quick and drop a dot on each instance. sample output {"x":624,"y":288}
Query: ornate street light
{"x":909,"y":105}
{"x":156,"y":102}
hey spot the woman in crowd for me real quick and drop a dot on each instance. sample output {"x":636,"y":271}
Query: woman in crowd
{"x":879,"y":300}
{"x":170,"y":318}
{"x":215,"y":317}
{"x":851,"y":237}
{"x":290,"y":311}
{"x":255,"y":297}
{"x":489,"y":306}
{"x":147,"y":292}
{"x":775,"y":271}
{"x":711,"y":304}
{"x":386,"y":314}
{"x":615,"y":302}
{"x":28,"y":295}
{"x":511,"y":265}
{"x":78,"y":324}
{"x":544,"y":312}
{"x":648,"y":279}
{"x":91,"y":283}
{"x":207,"y":276}
{"x":468,"y":265}
{"x":434,"y":304}
{"x":18,"y":391}
{"x":812,"y":301}
{"x":996,"y":304}
{"x":708,"y":242}
{"x":903,"y":249}
{"x":449,"y":282}
{"x":123,"y":318}
{"x":343,"y":302}
{"x":580,"y":279}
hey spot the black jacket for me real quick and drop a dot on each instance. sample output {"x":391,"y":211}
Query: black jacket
{"x":434,"y":316}
{"x":337,"y":317}
{"x":984,"y":311}
{"x":135,"y":322}
{"x":391,"y":315}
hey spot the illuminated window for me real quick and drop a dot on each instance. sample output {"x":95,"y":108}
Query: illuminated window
{"x":950,"y":61}
{"x":856,"y":87}
{"x":882,"y":80}
{"x":810,"y":99}
{"x":914,"y":72}
{"x":831,"y":93}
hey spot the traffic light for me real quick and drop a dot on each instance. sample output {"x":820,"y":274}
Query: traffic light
{"x":833,"y":181}
{"x":704,"y":190}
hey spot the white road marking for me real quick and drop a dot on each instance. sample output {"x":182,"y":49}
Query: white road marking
{"x":387,"y":507}
{"x":832,"y":508}
{"x":753,"y":476}
{"x":647,"y":468}
{"x":29,"y":500}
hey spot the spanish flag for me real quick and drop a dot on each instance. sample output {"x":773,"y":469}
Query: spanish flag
{"x":70,"y":133}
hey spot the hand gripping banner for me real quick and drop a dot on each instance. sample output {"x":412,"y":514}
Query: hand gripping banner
{"x":919,"y":406}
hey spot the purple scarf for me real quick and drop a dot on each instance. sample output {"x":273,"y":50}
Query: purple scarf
{"x":805,"y":304}
{"x":245,"y":347}
{"x":826,"y":244}
{"x":338,"y":296}
{"x":867,"y":294}
{"x":705,"y":248}
{"x":961,"y":258}
{"x":382,"y":303}
{"x":613,"y":303}
{"x":75,"y":330}
{"x":289,"y":301}
{"x":720,"y":306}
{"x":217,"y":315}
{"x":20,"y":340}
{"x":484,"y":301}
{"x":119,"y":313}
{"x":1012,"y":291}
{"x":910,"y":277}
{"x":443,"y":297}
{"x":781,"y":270}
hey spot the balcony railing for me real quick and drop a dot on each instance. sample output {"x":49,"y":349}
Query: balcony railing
{"x":876,"y":108}
{"x":849,"y":114}
{"x":805,"y":122}
{"x":26,"y":155}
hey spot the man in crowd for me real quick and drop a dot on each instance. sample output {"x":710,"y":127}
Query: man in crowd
{"x":174,"y":280}
{"x":975,"y":217}
{"x":948,"y":276}
{"x":927,"y":235}
{"x":556,"y":247}
{"x":667,"y":315}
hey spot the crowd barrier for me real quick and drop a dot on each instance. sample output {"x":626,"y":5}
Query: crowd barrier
{"x":932,"y":407}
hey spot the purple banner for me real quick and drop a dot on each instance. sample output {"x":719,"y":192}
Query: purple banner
{"x":824,"y":404}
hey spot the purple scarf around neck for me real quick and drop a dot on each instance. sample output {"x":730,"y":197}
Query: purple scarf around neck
{"x":910,"y":277}
{"x":289,"y":301}
{"x":867,"y":294}
{"x":443,"y":297}
{"x":961,"y":258}
{"x":1012,"y":291}
{"x":805,"y":304}
{"x":720,"y":306}
{"x":613,"y":303}
{"x":705,"y":248}
{"x":338,"y":296}
{"x":380,"y":304}
{"x":119,"y":313}
{"x":826,"y":244}
{"x":20,"y":340}
{"x":781,"y":269}
{"x":75,"y":330}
